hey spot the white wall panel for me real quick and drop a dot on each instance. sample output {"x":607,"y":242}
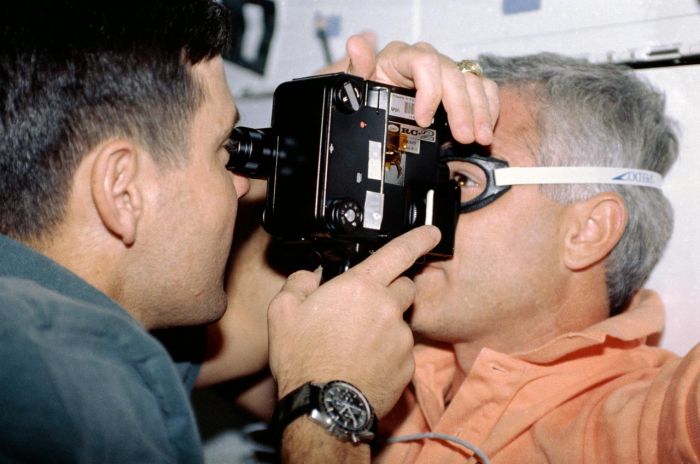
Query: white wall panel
{"x":677,"y":277}
{"x":617,"y":32}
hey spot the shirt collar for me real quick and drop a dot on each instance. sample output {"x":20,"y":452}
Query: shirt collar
{"x":643,"y":317}
{"x":20,"y":261}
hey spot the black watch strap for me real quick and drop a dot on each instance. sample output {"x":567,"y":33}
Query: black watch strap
{"x":295,"y":404}
{"x":306,"y":400}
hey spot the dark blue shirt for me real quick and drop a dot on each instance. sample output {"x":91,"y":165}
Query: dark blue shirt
{"x":80,"y":380}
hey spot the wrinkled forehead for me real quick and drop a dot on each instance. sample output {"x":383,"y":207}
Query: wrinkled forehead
{"x":516,"y":134}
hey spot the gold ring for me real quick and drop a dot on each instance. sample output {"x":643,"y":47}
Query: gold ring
{"x":469,"y":66}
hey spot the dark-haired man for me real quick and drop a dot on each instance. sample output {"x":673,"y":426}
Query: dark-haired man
{"x":117,"y":212}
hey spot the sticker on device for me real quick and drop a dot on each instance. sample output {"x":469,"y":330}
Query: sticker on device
{"x":402,"y":106}
{"x":422,"y":133}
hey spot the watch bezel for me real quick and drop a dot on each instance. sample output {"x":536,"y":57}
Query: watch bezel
{"x":332,"y":421}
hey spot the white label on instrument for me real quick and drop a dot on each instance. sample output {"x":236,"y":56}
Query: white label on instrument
{"x":375,"y":163}
{"x":374,"y":210}
{"x":429,"y":202}
{"x":402,"y":106}
{"x":421,"y":133}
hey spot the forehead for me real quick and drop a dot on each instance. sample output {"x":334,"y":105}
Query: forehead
{"x":218,"y":107}
{"x":516,"y":138}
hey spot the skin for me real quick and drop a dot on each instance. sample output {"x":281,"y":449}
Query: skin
{"x":339,"y":330}
{"x":156,"y":239}
{"x":525,"y":269}
{"x":238,"y":342}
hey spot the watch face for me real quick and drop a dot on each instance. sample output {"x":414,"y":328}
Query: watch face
{"x":346,"y":406}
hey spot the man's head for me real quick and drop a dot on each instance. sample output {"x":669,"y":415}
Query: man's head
{"x":541,"y":248}
{"x":113,"y":126}
{"x":75,"y":73}
{"x":602,"y":115}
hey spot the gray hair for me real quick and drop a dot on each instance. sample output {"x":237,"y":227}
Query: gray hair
{"x":601,"y":115}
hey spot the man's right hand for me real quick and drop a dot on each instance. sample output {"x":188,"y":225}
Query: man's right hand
{"x":351,"y":328}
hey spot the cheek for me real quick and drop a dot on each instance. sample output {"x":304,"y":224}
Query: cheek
{"x":240,"y":183}
{"x":228,"y":201}
{"x":503,"y":238}
{"x":478,"y":236}
{"x":216,"y":205}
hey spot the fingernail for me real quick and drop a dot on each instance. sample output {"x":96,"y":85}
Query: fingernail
{"x":435,"y":231}
{"x":426,"y":120}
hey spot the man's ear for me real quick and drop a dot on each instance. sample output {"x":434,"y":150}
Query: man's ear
{"x":115,"y":190}
{"x":593,"y":228}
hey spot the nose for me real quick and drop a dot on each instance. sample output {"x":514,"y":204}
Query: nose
{"x":241,"y":184}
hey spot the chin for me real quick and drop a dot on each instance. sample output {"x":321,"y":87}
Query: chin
{"x":216,"y":309}
{"x":429,"y":281}
{"x":205,"y":310}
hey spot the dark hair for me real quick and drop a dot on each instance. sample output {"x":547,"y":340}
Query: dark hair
{"x":75,"y":73}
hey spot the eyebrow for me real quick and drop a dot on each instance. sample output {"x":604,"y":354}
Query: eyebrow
{"x":234,"y":122}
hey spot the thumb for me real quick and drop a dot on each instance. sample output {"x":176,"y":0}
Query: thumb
{"x":300,"y":285}
{"x":361,"y":51}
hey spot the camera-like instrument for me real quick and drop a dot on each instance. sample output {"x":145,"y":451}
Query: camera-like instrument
{"x":348,"y":168}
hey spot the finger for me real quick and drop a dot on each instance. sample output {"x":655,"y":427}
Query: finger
{"x":413,"y":66}
{"x":387,"y":263}
{"x":392,"y":65}
{"x":425,"y":70}
{"x":481,"y":113}
{"x":491,"y":89}
{"x":360,"y":50}
{"x":301,"y":284}
{"x":457,"y":103}
{"x":403,"y":291}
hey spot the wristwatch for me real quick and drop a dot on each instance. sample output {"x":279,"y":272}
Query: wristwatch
{"x":339,"y":407}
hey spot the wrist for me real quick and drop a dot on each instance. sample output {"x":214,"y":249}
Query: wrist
{"x":338,"y":407}
{"x":304,"y":442}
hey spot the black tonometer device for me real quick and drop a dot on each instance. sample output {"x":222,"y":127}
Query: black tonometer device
{"x":348,"y":168}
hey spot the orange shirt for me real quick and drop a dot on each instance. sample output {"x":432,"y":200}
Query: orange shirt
{"x":598,"y":396}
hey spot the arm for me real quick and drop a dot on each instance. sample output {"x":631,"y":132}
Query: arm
{"x":303,"y":443}
{"x":364,"y":306}
{"x":238,"y":344}
{"x":339,"y":331}
{"x":678,"y":431}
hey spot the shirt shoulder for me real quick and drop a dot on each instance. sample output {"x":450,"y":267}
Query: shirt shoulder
{"x":677,"y":390}
{"x":82,"y":383}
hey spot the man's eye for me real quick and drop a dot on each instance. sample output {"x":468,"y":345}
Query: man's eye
{"x":464,"y":181}
{"x":229,"y":147}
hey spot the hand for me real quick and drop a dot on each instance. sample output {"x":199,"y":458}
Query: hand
{"x":471,"y":102}
{"x":352,"y":327}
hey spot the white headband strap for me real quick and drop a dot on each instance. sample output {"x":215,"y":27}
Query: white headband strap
{"x":577,"y":175}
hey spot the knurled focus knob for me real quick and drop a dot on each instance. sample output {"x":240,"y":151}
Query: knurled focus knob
{"x":344,"y":215}
{"x":347,"y":97}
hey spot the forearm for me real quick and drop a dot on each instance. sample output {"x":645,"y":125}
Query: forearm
{"x":257,"y":394}
{"x":306,"y":442}
{"x":237,"y":347}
